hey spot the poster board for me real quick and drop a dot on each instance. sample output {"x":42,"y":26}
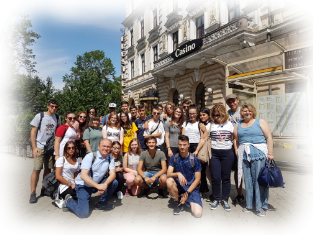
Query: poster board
{"x":285,"y":113}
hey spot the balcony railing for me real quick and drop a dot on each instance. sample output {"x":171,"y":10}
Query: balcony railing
{"x":149,"y":94}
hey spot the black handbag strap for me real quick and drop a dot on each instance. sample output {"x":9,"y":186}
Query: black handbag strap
{"x":155,"y":128}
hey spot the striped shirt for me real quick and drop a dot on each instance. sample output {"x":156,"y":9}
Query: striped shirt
{"x":220,"y":134}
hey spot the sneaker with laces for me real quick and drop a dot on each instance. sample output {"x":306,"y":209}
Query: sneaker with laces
{"x":119,"y":195}
{"x":127,"y":194}
{"x":210,"y":199}
{"x":145,"y":192}
{"x":214,"y":204}
{"x":105,"y":207}
{"x":246,"y":210}
{"x":226,"y":206}
{"x":261,"y":213}
{"x":178,"y":208}
{"x":33,"y":198}
{"x":240,"y":199}
{"x":160,"y":193}
{"x":59,"y":202}
{"x":66,"y":199}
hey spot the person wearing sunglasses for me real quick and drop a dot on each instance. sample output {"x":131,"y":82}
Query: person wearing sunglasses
{"x":91,"y":111}
{"x":80,"y":125}
{"x":155,"y":128}
{"x":169,"y":112}
{"x":186,"y":104}
{"x":43,"y":127}
{"x":172,"y":131}
{"x":222,"y":155}
{"x":64,"y":134}
{"x":66,"y":171}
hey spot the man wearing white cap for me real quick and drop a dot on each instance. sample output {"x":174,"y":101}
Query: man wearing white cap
{"x":234,"y":117}
{"x":103,"y":119}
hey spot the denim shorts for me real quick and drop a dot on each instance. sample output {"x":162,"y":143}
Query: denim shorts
{"x":149,"y":174}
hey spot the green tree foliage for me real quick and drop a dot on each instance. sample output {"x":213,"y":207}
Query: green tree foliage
{"x":91,"y":82}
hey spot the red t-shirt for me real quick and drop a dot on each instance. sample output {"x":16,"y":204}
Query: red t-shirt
{"x":61,"y":130}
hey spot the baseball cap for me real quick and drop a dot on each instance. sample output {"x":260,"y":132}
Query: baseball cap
{"x":112,"y":105}
{"x":231,"y":96}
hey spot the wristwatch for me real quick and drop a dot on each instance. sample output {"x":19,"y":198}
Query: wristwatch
{"x":188,"y":193}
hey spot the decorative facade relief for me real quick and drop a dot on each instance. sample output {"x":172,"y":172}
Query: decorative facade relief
{"x":163,"y":45}
{"x":185,"y":29}
{"x":172,"y":82}
{"x":163,"y":62}
{"x":214,"y":13}
{"x":224,"y":31}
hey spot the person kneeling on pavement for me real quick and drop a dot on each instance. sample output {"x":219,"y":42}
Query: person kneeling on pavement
{"x":183,"y":184}
{"x":93,"y":179}
{"x":154,"y":161}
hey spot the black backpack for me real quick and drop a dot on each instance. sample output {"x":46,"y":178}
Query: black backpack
{"x":191,"y":159}
{"x":93,"y":160}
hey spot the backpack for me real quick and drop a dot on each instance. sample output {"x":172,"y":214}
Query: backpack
{"x":93,"y":160}
{"x":191,"y":159}
{"x":49,"y":147}
{"x":51,"y":184}
{"x":104,"y":118}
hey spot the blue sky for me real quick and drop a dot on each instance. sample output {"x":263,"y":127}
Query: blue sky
{"x":71,"y":28}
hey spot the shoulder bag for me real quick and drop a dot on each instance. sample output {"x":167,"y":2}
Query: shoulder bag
{"x":204,"y":154}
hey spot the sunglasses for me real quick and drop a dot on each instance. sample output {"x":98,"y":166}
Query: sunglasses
{"x":185,"y":107}
{"x":155,"y":113}
{"x":217,"y":115}
{"x":170,"y":108}
{"x":54,"y":106}
{"x":71,"y":118}
{"x":69,"y":148}
{"x":84,"y":117}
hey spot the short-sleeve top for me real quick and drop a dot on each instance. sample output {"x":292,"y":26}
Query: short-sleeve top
{"x":94,"y":135}
{"x":220,"y":135}
{"x":128,"y":136}
{"x":174,"y":132}
{"x":192,"y":130}
{"x":113,"y":134}
{"x":133,"y":160}
{"x":152,"y":164}
{"x":68,"y":171}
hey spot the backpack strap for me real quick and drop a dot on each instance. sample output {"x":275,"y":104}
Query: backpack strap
{"x":42,"y":114}
{"x":93,"y":160}
{"x":192,"y":161}
{"x":175,"y":159}
{"x":57,"y":117}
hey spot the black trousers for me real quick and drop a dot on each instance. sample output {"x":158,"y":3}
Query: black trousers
{"x":203,"y":183}
{"x":70,"y":191}
{"x":120,"y":179}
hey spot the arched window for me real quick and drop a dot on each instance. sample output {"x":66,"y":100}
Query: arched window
{"x":175,"y":98}
{"x":200,"y":95}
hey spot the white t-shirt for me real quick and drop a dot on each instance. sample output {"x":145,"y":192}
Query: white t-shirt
{"x":113,"y":134}
{"x":192,"y":131}
{"x":68,"y":171}
{"x":220,"y":135}
{"x":152,"y":126}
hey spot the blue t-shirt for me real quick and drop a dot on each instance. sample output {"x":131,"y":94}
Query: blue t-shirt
{"x":99,"y":167}
{"x":140,"y":125}
{"x":104,"y":122}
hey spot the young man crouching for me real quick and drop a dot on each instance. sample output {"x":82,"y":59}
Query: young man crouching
{"x":183,"y":184}
{"x":154,"y":161}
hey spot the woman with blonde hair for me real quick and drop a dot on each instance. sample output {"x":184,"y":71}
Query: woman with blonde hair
{"x":169,"y":112}
{"x":222,"y":156}
{"x":130,"y":163}
{"x":253,"y":146}
{"x":112,"y":130}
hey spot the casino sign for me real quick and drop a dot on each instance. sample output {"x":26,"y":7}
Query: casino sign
{"x":186,"y":49}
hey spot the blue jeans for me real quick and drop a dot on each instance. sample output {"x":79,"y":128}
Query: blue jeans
{"x":220,"y":166}
{"x":81,"y":207}
{"x":251,"y":172}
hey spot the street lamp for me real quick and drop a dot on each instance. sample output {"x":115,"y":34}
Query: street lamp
{"x":210,"y":91}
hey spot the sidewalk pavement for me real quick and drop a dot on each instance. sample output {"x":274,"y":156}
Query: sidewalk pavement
{"x":290,"y":208}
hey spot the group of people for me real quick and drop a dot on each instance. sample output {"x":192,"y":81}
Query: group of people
{"x":142,"y":152}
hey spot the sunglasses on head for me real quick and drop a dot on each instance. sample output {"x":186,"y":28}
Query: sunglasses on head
{"x":69,"y":148}
{"x":71,"y":118}
{"x":155,"y":113}
{"x":217,"y":115}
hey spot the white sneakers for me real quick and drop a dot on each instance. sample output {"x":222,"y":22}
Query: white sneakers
{"x":59,"y":202}
{"x":119,"y":195}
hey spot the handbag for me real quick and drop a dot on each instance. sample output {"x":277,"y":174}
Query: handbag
{"x":270,"y":176}
{"x":204,"y":154}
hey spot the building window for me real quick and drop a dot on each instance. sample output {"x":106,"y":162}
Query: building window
{"x":200,"y":26}
{"x":175,"y":5}
{"x":289,"y":2}
{"x":143,"y":63}
{"x":142,"y":28}
{"x":155,"y":18}
{"x":175,"y":40}
{"x":132,"y":69}
{"x":233,"y":9}
{"x":155,"y":53}
{"x":131,"y":37}
{"x":200,"y":95}
{"x":175,"y":98}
